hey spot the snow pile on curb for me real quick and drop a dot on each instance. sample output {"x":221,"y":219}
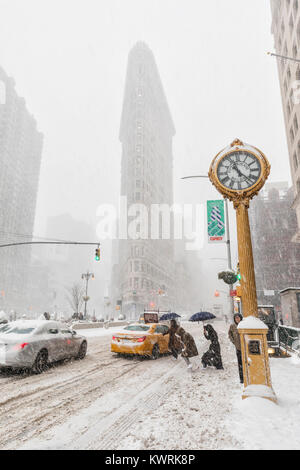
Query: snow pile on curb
{"x":260,"y":424}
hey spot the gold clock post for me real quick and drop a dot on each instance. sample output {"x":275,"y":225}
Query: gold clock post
{"x":239,"y":172}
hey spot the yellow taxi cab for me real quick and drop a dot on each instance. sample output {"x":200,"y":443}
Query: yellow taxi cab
{"x":144,"y":339}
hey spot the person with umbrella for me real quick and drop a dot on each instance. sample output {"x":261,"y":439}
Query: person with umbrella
{"x":180,"y":341}
{"x":212,"y":357}
{"x":234,"y":337}
{"x":175,"y":346}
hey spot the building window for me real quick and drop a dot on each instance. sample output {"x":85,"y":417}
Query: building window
{"x":292,"y":135}
{"x":295,"y":51}
{"x":295,"y":6}
{"x":298,"y":186}
{"x":289,"y":76}
{"x":296,"y":127}
{"x":295,"y":161}
{"x":288,"y":109}
{"x":291,"y":99}
{"x":291,"y":24}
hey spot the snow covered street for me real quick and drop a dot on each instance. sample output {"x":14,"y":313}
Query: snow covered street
{"x":107,"y":402}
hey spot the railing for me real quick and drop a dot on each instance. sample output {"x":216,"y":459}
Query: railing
{"x":289,"y":338}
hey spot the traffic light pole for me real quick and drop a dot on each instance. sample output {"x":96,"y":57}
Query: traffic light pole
{"x":86,"y":276}
{"x":227,"y":239}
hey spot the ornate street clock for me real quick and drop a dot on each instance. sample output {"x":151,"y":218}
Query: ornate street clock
{"x":239,"y":171}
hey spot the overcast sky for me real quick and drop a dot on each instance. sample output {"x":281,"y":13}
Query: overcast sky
{"x":69,"y":58}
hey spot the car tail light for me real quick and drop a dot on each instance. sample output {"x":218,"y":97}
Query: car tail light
{"x":140,"y":340}
{"x":19,"y":347}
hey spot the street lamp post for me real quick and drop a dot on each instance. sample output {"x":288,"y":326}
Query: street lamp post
{"x":87,"y":277}
{"x":227,"y":238}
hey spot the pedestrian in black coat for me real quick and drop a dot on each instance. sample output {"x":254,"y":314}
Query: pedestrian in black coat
{"x":212,"y":357}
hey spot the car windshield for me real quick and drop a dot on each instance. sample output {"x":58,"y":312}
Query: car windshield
{"x":17,"y":330}
{"x":137,"y":328}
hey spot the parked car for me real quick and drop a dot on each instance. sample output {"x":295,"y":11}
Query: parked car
{"x":34,"y":344}
{"x":144,"y":339}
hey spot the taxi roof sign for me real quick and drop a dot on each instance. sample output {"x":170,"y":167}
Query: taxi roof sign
{"x":150,"y":317}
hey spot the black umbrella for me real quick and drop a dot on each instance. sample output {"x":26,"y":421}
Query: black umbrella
{"x":169,"y":316}
{"x":202,"y":316}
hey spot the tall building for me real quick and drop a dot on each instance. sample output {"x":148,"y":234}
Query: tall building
{"x":146,"y":266}
{"x":20,"y":159}
{"x":276,"y":257}
{"x":286,"y":31}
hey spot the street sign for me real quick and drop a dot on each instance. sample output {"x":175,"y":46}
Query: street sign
{"x":216,"y":221}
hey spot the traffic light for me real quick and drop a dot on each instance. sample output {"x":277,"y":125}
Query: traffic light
{"x":238,"y":274}
{"x":97,"y":254}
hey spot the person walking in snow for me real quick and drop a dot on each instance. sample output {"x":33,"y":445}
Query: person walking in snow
{"x":175,"y":345}
{"x":234,"y":337}
{"x":189,"y":346}
{"x":180,"y":341}
{"x":212,"y":357}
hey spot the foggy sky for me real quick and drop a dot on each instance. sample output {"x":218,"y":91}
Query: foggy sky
{"x":69,"y":58}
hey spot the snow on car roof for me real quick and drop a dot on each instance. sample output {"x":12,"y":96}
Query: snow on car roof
{"x":33,"y":323}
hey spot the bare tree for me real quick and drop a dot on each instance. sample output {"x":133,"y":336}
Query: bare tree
{"x":75,"y":297}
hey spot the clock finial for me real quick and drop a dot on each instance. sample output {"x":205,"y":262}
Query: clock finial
{"x":236,"y":142}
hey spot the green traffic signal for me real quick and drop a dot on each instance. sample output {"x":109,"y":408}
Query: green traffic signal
{"x":238,"y":276}
{"x":97,"y":254}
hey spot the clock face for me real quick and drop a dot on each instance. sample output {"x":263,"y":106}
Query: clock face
{"x":239,"y":170}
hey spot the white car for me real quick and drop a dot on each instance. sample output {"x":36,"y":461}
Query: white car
{"x":34,"y":344}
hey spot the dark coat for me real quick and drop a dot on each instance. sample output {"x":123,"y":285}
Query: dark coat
{"x":212,"y":357}
{"x":190,"y":348}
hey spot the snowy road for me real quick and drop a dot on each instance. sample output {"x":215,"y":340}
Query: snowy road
{"x":107,"y":402}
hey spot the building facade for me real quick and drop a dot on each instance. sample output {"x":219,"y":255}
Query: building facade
{"x":20,"y":159}
{"x":146,"y":266}
{"x":276,"y":257}
{"x":286,"y":31}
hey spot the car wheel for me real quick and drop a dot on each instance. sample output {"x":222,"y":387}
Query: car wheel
{"x":155,"y":352}
{"x":41,"y":362}
{"x":82,"y":350}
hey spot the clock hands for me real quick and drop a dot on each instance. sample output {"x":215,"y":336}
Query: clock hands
{"x":240,"y":173}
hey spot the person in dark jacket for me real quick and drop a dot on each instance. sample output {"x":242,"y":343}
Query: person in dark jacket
{"x":234,"y":337}
{"x":212,"y":357}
